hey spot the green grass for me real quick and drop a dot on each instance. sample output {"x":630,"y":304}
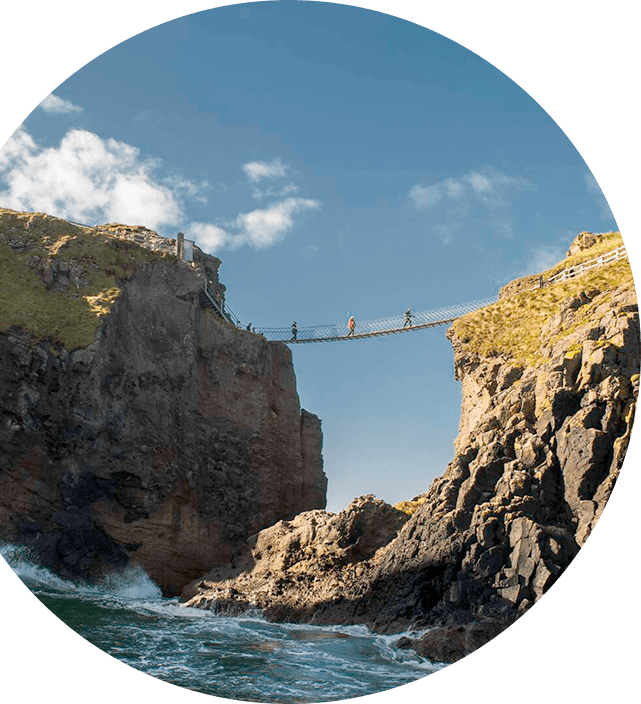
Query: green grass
{"x":410,"y":507}
{"x":512,"y":327}
{"x":24,"y":299}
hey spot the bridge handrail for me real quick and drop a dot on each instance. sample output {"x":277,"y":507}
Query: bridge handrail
{"x":380,"y":326}
{"x":423,"y":319}
{"x":221,"y":306}
{"x":393,"y":324}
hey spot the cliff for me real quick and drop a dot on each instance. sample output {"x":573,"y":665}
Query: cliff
{"x":137,"y":425}
{"x":549,"y":378}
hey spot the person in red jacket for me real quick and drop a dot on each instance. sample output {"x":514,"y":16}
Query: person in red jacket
{"x":352,"y":326}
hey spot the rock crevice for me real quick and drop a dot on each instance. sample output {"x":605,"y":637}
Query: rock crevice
{"x":549,"y":382}
{"x":166,"y":441}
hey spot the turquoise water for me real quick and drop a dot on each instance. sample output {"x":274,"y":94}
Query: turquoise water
{"x":245,"y":658}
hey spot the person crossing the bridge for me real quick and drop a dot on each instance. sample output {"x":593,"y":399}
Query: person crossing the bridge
{"x":294,"y":331}
{"x":352,"y":326}
{"x":408,"y":318}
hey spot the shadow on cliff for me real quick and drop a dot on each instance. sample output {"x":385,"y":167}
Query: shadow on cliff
{"x":408,"y":599}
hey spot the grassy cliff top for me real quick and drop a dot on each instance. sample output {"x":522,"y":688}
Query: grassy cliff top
{"x":512,"y":327}
{"x":60,"y":280}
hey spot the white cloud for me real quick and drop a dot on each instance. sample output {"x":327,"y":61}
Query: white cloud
{"x":18,"y":147}
{"x":286,"y":190}
{"x":543,"y":258}
{"x":595,"y":191}
{"x":481,"y":184}
{"x":54,"y":105}
{"x":267,"y":226}
{"x":89,"y":179}
{"x":92,"y":180}
{"x":488,"y":188}
{"x":258,"y":170}
{"x":426,"y":196}
{"x":210,"y":238}
{"x":258,"y":228}
{"x":453,"y":188}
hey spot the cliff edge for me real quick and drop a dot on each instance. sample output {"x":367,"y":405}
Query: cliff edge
{"x":550,"y":378}
{"x":137,"y":426}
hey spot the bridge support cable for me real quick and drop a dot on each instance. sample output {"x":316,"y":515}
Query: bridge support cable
{"x":374,"y":328}
{"x":400,"y":323}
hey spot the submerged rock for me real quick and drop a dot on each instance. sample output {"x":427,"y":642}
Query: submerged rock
{"x":451,"y":643}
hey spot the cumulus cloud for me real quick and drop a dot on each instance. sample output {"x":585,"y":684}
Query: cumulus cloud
{"x":210,"y":238}
{"x":258,"y":228}
{"x":258,"y":170}
{"x":89,"y":179}
{"x":426,"y":196}
{"x":269,"y":225}
{"x":261,"y":227}
{"x":488,"y":189}
{"x":55,"y":105}
{"x":595,"y":191}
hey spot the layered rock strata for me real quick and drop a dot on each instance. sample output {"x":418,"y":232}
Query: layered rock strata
{"x":549,"y":385}
{"x":167,"y":440}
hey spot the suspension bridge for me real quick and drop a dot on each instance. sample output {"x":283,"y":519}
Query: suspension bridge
{"x":406,"y":322}
{"x":373,"y":328}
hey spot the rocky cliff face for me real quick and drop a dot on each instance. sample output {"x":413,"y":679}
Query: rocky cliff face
{"x":549,"y":380}
{"x":167,"y":438}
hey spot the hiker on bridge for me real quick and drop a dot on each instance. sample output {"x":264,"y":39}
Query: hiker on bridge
{"x":408,"y":318}
{"x":294,"y":331}
{"x":352,"y":326}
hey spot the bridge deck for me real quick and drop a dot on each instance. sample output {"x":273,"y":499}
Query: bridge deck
{"x":373,"y":328}
{"x":399,"y":323}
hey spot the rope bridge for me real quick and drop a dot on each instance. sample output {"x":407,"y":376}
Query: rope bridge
{"x":417,"y":321}
{"x":373,"y":328}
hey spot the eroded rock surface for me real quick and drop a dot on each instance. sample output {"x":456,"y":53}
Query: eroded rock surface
{"x":540,"y":445}
{"x":167,"y":441}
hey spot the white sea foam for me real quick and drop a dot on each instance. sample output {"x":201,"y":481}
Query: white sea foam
{"x":20,"y":560}
{"x":131,"y":582}
{"x":246,"y":657}
{"x":128,"y":582}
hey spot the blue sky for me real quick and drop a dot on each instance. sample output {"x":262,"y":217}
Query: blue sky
{"x":338,"y":161}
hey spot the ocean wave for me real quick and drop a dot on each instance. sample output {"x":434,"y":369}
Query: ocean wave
{"x":246,"y":658}
{"x":128,"y":582}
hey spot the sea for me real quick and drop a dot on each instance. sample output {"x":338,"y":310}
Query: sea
{"x":243,"y":658}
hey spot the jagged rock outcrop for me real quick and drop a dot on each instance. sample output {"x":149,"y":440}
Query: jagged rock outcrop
{"x":167,"y":440}
{"x":550,"y":378}
{"x":290,"y":570}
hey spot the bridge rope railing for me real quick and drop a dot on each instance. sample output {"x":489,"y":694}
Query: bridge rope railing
{"x":423,"y":319}
{"x":372,"y":328}
{"x":393,"y":324}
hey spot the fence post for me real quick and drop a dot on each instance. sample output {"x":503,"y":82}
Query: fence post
{"x":180,"y":245}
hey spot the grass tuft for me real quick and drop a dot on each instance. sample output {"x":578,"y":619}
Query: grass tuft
{"x":70,"y":317}
{"x":512,"y":327}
